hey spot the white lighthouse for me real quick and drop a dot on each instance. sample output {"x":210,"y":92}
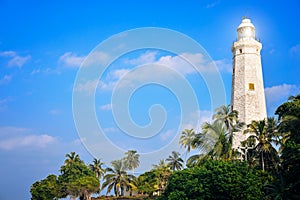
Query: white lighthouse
{"x":247,"y":93}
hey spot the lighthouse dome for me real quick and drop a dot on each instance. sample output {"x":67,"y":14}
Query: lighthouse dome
{"x":246,"y":30}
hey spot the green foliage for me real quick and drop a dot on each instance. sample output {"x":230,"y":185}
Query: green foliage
{"x":213,"y":174}
{"x":216,"y":139}
{"x":45,"y":189}
{"x":117,"y":178}
{"x":96,"y":167}
{"x":83,"y":186}
{"x":187,"y":139}
{"x":289,"y":117}
{"x":174,"y":161}
{"x":262,"y":134}
{"x":162,"y":173}
{"x":131,"y":160}
{"x":77,"y":179}
{"x":146,"y":182}
{"x":216,"y":179}
{"x":177,"y":195}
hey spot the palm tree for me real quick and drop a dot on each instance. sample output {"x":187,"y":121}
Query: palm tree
{"x":279,"y":189}
{"x":196,"y":160}
{"x":264,"y":140}
{"x":162,"y":172}
{"x":186,"y":140}
{"x":72,"y":158}
{"x":117,"y":178}
{"x":174,"y":161}
{"x":217,"y":140}
{"x":212,"y":143}
{"x":289,"y":117}
{"x":96,"y":167}
{"x":229,"y":117}
{"x":248,"y":153}
{"x":161,"y":164}
{"x":131,"y":160}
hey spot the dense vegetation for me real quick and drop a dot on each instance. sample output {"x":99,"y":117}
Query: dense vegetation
{"x":266,"y":166}
{"x":216,"y":179}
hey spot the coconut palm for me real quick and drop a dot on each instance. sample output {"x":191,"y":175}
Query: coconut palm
{"x":196,"y":160}
{"x":289,"y":117}
{"x":227,"y":116}
{"x":278,"y":189}
{"x":72,"y":158}
{"x":131,"y":160}
{"x":217,"y":140}
{"x":96,"y":167}
{"x":117,"y":178}
{"x":174,"y":161}
{"x":162,"y":172}
{"x":264,"y":139}
{"x":248,"y":153}
{"x":212,"y":143}
{"x":201,"y":142}
{"x":186,"y":140}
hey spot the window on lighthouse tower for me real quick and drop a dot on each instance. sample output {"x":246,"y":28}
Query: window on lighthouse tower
{"x":251,"y":87}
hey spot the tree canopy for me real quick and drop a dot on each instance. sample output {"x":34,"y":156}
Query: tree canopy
{"x":216,"y":179}
{"x":258,"y":170}
{"x":76,"y":180}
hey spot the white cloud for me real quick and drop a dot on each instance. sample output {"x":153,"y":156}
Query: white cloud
{"x":111,"y":130}
{"x":117,"y":74}
{"x":212,"y":4}
{"x":16,"y":138}
{"x":278,"y":94}
{"x":224,"y":65}
{"x":112,"y":78}
{"x":295,"y":50}
{"x":87,"y":87}
{"x":70,"y":59}
{"x":106,"y":107}
{"x":183,"y":63}
{"x":167,"y":135}
{"x":5,"y":79}
{"x":178,"y":63}
{"x":54,"y":111}
{"x":272,"y":51}
{"x":18,"y":61}
{"x":47,"y":71}
{"x":8,"y":54}
{"x":147,"y":57}
{"x":15,"y":60}
{"x":3,"y":102}
{"x":197,"y":118}
{"x":96,"y":57}
{"x":35,"y":71}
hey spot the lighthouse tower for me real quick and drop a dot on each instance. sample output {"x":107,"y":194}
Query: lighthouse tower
{"x":247,"y":93}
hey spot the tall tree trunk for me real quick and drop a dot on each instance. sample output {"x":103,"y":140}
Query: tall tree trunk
{"x":122,"y":190}
{"x":262,"y":161}
{"x":185,"y":157}
{"x":230,"y":145}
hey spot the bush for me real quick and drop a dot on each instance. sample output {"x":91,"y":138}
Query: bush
{"x":216,"y":180}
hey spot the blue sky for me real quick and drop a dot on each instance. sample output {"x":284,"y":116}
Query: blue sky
{"x":42,"y":46}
